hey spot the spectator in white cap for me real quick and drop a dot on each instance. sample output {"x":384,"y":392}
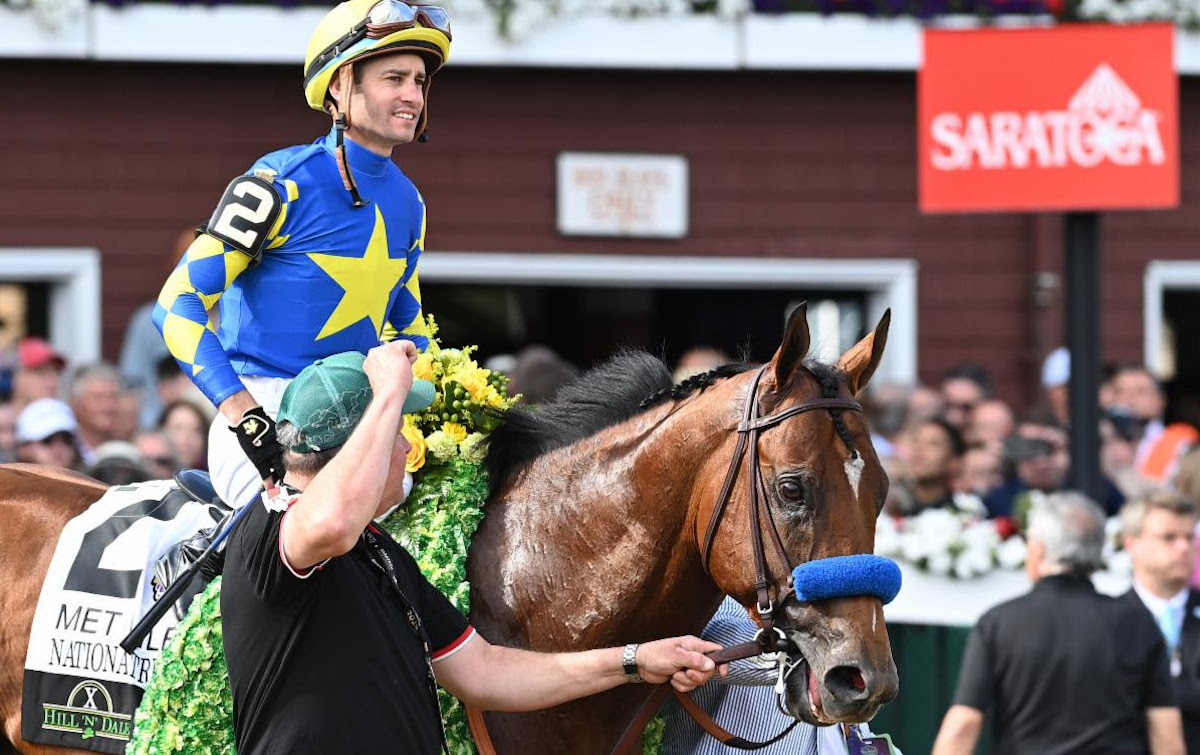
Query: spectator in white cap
{"x":46,"y":434}
{"x":1056,"y":375}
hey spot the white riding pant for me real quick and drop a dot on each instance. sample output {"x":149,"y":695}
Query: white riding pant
{"x":233,"y":476}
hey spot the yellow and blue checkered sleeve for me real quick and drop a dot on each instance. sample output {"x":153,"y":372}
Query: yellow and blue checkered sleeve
{"x":181,"y":314}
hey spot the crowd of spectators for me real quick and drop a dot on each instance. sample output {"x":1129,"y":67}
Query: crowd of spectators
{"x":960,"y":446}
{"x":90,"y":417}
{"x":955,"y":445}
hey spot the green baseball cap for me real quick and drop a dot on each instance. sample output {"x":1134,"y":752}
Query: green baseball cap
{"x":328,"y":398}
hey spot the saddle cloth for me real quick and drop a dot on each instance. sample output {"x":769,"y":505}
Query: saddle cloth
{"x":81,"y":689}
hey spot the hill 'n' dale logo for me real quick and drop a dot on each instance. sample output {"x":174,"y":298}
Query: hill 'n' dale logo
{"x":88,"y":713}
{"x":1104,"y":121}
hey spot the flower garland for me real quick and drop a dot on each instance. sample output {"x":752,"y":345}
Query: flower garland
{"x":435,"y":526}
{"x":470,"y":402}
{"x":188,"y":706}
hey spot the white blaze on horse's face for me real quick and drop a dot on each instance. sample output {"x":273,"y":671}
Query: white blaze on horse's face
{"x":854,"y":469}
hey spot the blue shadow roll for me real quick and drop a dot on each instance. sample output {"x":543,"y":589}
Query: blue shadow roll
{"x":847,"y":576}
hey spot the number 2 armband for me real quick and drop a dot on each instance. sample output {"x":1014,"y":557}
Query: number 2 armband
{"x":246,"y":214}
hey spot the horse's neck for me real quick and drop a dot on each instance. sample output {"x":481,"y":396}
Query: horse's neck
{"x":602,"y":531}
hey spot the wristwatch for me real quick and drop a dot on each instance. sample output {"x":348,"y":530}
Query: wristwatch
{"x":629,"y":659}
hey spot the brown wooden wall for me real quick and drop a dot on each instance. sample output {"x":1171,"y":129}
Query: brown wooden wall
{"x":799,"y":164}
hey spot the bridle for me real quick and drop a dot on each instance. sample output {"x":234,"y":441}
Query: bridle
{"x":749,"y":431}
{"x":769,"y":639}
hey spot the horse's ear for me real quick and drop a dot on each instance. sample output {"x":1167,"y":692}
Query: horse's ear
{"x":860,"y":361}
{"x":794,"y":347}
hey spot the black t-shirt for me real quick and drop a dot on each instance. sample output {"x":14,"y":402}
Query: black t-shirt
{"x":1065,"y":670}
{"x":327,"y":662}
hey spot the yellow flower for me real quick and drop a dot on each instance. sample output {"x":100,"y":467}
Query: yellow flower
{"x":423,"y":367}
{"x":492,"y":398}
{"x":455,"y":430}
{"x":416,"y":446}
{"x":474,"y":379}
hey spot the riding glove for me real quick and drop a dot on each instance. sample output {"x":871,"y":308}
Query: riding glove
{"x":256,"y":435}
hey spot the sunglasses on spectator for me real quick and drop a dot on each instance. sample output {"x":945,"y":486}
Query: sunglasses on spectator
{"x":961,"y":407}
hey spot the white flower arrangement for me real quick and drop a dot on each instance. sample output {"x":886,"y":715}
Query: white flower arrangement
{"x":948,"y":543}
{"x":963,"y":544}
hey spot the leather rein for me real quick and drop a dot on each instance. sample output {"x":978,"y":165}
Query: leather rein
{"x":770,"y":639}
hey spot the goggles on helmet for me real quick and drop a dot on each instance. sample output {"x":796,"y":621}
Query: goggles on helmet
{"x":388,"y":16}
{"x":384,"y":18}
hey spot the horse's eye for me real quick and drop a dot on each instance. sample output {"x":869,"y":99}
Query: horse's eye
{"x":792,"y":491}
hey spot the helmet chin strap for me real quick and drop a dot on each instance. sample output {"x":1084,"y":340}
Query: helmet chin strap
{"x":341,"y":121}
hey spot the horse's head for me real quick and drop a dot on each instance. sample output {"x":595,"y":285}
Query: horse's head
{"x":821,"y":489}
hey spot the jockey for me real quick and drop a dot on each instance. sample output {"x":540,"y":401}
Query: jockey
{"x":314,"y":250}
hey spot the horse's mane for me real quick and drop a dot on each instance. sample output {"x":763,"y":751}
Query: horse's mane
{"x":624,"y":386}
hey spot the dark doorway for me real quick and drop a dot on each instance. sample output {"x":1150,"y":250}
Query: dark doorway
{"x":587,"y":324}
{"x":1181,"y":312}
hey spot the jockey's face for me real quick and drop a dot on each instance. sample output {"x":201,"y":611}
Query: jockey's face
{"x":386,"y":103}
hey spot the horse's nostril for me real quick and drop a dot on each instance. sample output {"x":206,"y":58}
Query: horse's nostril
{"x":846,"y":683}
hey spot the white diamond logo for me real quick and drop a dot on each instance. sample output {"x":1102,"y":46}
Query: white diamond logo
{"x":1106,"y":94}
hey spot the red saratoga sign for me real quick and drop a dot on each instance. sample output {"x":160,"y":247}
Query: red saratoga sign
{"x":1081,"y":117}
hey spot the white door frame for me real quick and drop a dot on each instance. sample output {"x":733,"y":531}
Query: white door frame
{"x":888,"y":282}
{"x":74,"y":277}
{"x":1160,"y":276}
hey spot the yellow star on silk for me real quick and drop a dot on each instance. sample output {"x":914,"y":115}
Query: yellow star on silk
{"x":366,"y":282}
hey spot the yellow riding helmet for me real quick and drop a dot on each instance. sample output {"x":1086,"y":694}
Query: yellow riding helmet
{"x":341,"y":38}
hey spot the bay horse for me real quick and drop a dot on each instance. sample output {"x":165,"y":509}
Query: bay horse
{"x":600,"y":528}
{"x":594,"y":532}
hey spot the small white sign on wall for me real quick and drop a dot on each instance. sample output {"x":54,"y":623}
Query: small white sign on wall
{"x":611,"y":194}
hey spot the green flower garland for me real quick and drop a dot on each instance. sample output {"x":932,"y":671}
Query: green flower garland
{"x":188,"y":706}
{"x":436,"y":526}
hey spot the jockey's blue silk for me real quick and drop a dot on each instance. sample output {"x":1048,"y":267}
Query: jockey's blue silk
{"x":332,"y":277}
{"x":847,"y":576}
